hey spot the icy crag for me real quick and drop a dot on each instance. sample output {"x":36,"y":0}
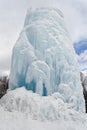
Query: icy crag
{"x":43,"y":58}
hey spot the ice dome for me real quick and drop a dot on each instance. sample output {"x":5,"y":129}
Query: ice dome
{"x":43,"y":58}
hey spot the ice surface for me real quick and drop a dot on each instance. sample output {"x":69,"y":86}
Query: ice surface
{"x":43,"y":57}
{"x":23,"y":110}
{"x":38,"y":107}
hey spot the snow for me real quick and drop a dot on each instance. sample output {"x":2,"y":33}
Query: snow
{"x":43,"y":57}
{"x":23,"y":110}
{"x":42,"y":108}
{"x":84,"y":72}
{"x":18,"y":121}
{"x":4,"y":73}
{"x":84,"y":79}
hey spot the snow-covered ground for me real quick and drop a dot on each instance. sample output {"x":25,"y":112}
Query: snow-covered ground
{"x":24,"y":110}
{"x":19,"y":121}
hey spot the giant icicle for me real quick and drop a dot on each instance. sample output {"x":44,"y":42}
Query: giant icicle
{"x":43,"y":57}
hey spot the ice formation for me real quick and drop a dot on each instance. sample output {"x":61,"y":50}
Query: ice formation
{"x":43,"y":57}
{"x":38,"y":107}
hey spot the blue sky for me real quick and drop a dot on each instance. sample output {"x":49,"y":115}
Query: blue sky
{"x":80,"y":46}
{"x":81,"y":50}
{"x":13,"y":12}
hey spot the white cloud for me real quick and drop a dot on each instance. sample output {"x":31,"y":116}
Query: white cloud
{"x":12,"y":15}
{"x":83,"y":57}
{"x":5,"y":58}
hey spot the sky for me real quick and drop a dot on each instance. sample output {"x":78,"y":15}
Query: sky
{"x":12,"y":16}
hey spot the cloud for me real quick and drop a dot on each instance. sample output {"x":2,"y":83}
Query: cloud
{"x":13,"y":12}
{"x":83,"y":57}
{"x":5,"y":59}
{"x":81,"y":50}
{"x":80,"y":46}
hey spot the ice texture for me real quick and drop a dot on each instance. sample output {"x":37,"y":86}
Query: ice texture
{"x":43,"y":58}
{"x":23,"y":110}
{"x":38,"y":107}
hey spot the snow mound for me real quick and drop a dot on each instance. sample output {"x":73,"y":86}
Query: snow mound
{"x":19,"y":121}
{"x":38,"y":107}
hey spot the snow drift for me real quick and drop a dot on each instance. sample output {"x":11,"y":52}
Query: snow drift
{"x":43,"y":58}
{"x":23,"y":110}
{"x":39,"y":107}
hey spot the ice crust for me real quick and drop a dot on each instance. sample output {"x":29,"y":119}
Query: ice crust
{"x":43,"y":57}
{"x":24,"y":110}
{"x":38,"y":107}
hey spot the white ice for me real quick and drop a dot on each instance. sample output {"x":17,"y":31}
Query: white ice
{"x":43,"y":57}
{"x":23,"y":110}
